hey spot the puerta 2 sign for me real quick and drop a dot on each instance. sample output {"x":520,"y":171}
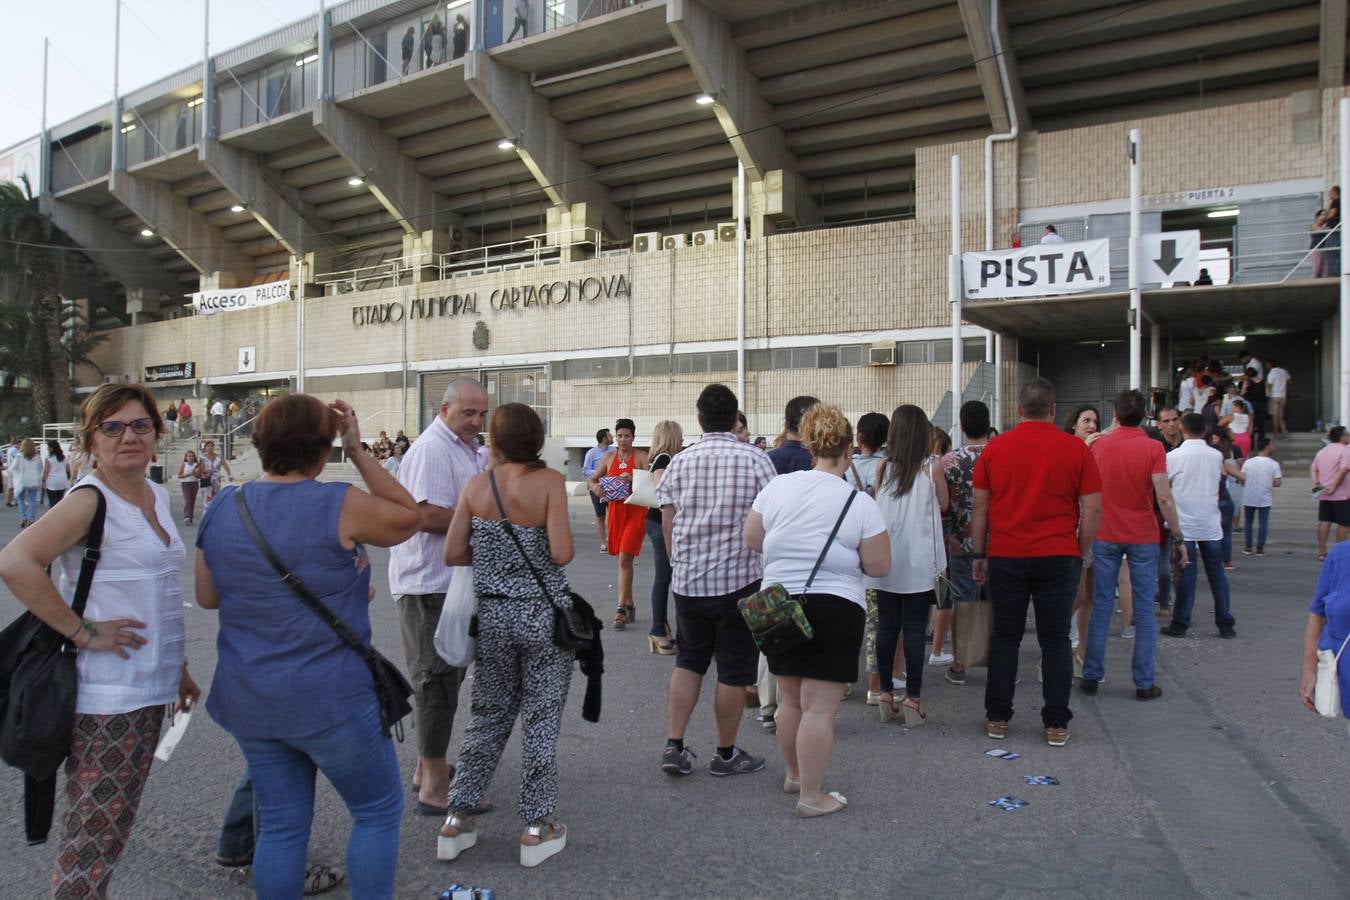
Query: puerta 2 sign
{"x":254,"y":295}
{"x":1038,"y":270}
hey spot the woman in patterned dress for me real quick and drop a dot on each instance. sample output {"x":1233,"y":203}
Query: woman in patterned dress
{"x":511,"y":525}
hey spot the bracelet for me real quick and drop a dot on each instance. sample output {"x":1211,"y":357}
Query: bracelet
{"x":76,"y":633}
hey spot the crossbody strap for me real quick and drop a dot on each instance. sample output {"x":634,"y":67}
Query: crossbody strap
{"x":92,"y":544}
{"x":292,"y":581}
{"x":1342,"y":650}
{"x":829,"y":540}
{"x":515,"y":539}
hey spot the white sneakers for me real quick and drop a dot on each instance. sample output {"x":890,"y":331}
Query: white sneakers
{"x":941,"y":660}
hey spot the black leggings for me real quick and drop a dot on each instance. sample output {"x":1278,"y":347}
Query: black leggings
{"x":910,"y":613}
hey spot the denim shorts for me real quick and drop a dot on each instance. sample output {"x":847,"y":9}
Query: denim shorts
{"x":964,"y":588}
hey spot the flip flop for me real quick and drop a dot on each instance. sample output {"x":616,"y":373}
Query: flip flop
{"x":803,"y":811}
{"x":427,"y":809}
{"x":320,"y":879}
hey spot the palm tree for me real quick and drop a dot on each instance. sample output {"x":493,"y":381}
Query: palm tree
{"x":29,"y":264}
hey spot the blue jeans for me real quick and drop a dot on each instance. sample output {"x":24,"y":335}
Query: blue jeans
{"x":1262,"y":512}
{"x":1226,"y":519}
{"x":1165,"y":571}
{"x":1143,"y":562}
{"x":1211,"y":552}
{"x":28,"y":498}
{"x":1050,"y":584}
{"x":239,"y":830}
{"x":660,"y":580}
{"x":361,"y":764}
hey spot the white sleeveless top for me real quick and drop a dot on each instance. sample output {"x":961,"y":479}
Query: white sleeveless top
{"x":914,"y":523}
{"x":138,"y":577}
{"x":1240,"y":424}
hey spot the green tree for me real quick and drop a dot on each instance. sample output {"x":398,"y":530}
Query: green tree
{"x":41,"y":335}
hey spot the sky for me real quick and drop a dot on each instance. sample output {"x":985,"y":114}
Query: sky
{"x":166,"y":38}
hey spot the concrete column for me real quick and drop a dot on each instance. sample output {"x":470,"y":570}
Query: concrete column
{"x":421,"y":250}
{"x":143,"y":305}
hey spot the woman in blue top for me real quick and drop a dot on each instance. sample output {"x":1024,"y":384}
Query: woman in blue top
{"x":1328,"y":625}
{"x":291,"y":692}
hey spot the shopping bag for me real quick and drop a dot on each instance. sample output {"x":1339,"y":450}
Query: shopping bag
{"x":452,"y":642}
{"x":972,"y":622}
{"x":644,"y":490}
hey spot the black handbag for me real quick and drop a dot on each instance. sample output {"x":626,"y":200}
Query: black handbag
{"x":571,"y":628}
{"x":38,"y":688}
{"x":392,"y":690}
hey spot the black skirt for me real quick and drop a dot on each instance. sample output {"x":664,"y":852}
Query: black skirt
{"x":832,"y":654}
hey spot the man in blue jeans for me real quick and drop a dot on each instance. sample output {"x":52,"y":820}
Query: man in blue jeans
{"x":1133,"y":468}
{"x":1194,"y":470}
{"x":1037,"y":502}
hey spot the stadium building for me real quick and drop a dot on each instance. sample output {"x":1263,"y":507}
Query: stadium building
{"x":368,"y":203}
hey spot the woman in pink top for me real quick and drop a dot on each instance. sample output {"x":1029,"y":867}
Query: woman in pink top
{"x":1328,"y":475}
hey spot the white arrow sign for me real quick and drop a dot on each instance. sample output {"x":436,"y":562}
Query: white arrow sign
{"x":1169,"y":256}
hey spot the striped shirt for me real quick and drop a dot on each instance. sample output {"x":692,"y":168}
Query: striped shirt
{"x":435,"y":470}
{"x":712,"y":485}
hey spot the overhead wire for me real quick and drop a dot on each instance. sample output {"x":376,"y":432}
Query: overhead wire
{"x":614,"y":168}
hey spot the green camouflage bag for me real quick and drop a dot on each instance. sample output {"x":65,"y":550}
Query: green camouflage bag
{"x":776,"y":618}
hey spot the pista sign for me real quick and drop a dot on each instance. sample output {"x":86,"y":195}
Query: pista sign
{"x":577,"y":292}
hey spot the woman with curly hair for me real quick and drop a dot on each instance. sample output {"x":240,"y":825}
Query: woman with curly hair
{"x":794,"y":519}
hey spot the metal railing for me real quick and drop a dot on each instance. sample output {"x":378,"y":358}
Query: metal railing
{"x":533,"y":250}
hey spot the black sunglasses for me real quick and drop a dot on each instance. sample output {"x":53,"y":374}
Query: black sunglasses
{"x":114,"y":428}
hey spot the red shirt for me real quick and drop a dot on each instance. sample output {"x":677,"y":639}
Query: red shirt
{"x":1035,"y":475}
{"x":1127,"y":460}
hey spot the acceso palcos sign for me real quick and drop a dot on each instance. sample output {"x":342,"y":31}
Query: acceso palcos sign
{"x":591,"y":289}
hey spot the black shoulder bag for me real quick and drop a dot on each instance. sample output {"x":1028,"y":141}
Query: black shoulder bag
{"x":391,"y":688}
{"x":576,"y":629}
{"x":38,"y":687}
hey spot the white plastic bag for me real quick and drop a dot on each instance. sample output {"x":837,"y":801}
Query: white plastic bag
{"x":173,"y":736}
{"x":452,"y":641}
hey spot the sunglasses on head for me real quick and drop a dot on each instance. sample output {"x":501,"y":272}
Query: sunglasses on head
{"x":114,"y":428}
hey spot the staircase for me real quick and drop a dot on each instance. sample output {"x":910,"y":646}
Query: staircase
{"x":1295,"y":451}
{"x":980,"y":387}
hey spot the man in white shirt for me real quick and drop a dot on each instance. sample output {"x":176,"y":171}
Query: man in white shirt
{"x":12,"y":454}
{"x":1277,"y":392}
{"x":435,"y":470}
{"x":218,"y":415}
{"x":1186,"y":395}
{"x":1194,"y":470}
{"x":1260,"y":476}
{"x":1051,"y":236}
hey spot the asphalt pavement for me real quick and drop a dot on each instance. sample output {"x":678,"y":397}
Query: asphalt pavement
{"x":1226,"y":786}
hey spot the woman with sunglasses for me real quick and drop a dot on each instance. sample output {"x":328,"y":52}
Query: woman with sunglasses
{"x":131,"y":663}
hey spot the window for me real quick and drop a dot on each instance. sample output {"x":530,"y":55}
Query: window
{"x":913,"y":352}
{"x":803,"y":357}
{"x":852,"y":355}
{"x":827,"y":358}
{"x":782,"y":359}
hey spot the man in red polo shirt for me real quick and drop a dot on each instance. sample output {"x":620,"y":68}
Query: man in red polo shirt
{"x":1037,"y":505}
{"x":1133,"y":469}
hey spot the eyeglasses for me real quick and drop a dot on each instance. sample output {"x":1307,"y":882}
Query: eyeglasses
{"x":114,"y":428}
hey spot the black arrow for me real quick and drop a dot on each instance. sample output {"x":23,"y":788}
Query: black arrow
{"x":1169,"y":259}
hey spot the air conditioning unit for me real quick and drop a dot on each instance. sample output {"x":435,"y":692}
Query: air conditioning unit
{"x":704,"y":238}
{"x":881,"y":353}
{"x":726,"y":231}
{"x":673,"y":241}
{"x":646,"y":241}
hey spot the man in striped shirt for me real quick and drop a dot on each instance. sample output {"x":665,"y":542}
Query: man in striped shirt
{"x":435,"y":470}
{"x":705,"y":496}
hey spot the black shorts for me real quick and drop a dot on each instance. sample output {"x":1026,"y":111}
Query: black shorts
{"x":832,"y":652}
{"x":1335,"y":511}
{"x":712,"y":626}
{"x":598,"y":504}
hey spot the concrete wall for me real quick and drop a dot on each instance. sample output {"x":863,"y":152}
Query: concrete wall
{"x":878,"y":277}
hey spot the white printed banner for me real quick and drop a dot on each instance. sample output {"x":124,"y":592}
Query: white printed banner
{"x":209,"y":302}
{"x":1038,"y":270}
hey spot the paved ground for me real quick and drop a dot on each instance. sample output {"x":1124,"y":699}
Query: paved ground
{"x":1225,"y":787}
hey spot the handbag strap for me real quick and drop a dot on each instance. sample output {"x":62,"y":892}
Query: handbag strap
{"x":829,"y":540}
{"x":292,"y":581}
{"x":92,"y":543}
{"x":1342,"y":650}
{"x":515,"y":539}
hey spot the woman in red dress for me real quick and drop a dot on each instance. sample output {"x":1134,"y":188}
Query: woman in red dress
{"x":626,"y":523}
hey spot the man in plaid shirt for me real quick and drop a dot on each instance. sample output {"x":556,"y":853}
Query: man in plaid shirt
{"x":705,"y":496}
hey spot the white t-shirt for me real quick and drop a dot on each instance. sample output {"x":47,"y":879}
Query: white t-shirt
{"x":799,"y":510}
{"x":1186,"y":398}
{"x":217,"y":408}
{"x":1277,"y":383}
{"x":1261,"y":473}
{"x":1051,"y":237}
{"x":1241,"y":422}
{"x":1194,"y":470}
